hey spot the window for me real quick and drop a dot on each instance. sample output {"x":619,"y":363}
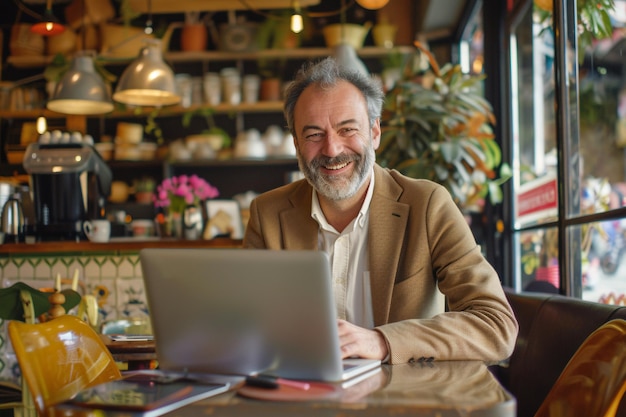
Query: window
{"x":568,"y":144}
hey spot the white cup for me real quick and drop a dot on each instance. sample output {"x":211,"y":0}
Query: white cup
{"x":231,"y":85}
{"x":97,"y":230}
{"x":212,"y":88}
{"x":142,"y":228}
{"x":251,"y":86}
{"x":184,"y":88}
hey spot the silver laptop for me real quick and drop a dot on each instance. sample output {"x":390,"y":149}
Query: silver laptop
{"x":244,"y":312}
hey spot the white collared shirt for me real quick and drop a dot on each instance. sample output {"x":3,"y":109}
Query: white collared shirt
{"x":349,"y":262}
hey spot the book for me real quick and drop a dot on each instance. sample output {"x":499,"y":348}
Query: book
{"x":147,"y":394}
{"x":10,"y":392}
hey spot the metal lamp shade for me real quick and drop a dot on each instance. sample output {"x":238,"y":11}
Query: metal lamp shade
{"x":346,"y":57}
{"x":148,"y":80}
{"x":81,"y":90}
{"x":49,"y":26}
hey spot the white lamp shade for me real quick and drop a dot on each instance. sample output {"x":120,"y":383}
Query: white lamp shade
{"x":81,"y":90}
{"x":346,"y":57}
{"x":148,"y":80}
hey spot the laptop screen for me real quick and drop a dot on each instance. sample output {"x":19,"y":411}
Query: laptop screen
{"x":243,"y":311}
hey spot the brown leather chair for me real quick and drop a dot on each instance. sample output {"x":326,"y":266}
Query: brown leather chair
{"x":551,"y":329}
{"x":594,"y":380}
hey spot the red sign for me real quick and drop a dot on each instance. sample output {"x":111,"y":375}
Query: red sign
{"x":537,"y":199}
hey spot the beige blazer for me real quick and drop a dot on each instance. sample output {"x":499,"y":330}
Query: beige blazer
{"x":424,"y":260}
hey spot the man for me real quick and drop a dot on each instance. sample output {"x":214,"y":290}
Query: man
{"x":400,"y":250}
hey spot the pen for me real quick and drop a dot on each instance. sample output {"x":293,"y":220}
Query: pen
{"x":267,"y":381}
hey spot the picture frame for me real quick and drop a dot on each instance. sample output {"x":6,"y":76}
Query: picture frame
{"x":223,"y":219}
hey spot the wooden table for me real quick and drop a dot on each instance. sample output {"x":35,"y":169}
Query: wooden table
{"x":458,"y":388}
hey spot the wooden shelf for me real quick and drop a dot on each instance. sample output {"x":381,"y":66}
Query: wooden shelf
{"x":205,"y":56}
{"x":235,"y":162}
{"x":121,"y":245}
{"x":222,"y":108}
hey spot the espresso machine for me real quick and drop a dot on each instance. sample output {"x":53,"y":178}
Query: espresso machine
{"x":70,"y":184}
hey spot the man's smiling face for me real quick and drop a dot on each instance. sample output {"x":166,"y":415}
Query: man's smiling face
{"x":336,"y":145}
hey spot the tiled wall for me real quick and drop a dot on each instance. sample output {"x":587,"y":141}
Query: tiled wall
{"x":113,"y":278}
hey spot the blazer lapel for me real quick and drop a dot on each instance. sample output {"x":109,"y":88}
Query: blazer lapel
{"x":298,"y":219}
{"x":387,"y":226}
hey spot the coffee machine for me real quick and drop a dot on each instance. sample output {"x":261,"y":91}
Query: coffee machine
{"x":70,"y":184}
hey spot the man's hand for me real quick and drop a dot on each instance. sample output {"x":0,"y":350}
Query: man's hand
{"x":357,"y":341}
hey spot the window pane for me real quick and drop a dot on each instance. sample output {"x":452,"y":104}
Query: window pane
{"x":539,"y":255}
{"x":602,"y":101}
{"x":602,"y":132}
{"x":533,"y":122}
{"x":602,"y":263}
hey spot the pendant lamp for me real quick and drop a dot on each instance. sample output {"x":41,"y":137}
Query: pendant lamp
{"x":372,"y":4}
{"x":49,"y":25}
{"x":344,"y":53}
{"x":148,"y":80}
{"x":81,"y":90}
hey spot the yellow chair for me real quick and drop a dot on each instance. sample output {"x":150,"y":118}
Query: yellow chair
{"x":594,"y":380}
{"x":60,"y":357}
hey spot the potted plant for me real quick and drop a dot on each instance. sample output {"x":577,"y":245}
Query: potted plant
{"x":594,"y":22}
{"x":273,"y":34}
{"x":174,"y":195}
{"x":437,"y":125}
{"x":144,"y":189}
{"x":215,"y":136}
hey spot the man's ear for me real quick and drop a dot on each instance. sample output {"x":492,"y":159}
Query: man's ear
{"x":376,"y":133}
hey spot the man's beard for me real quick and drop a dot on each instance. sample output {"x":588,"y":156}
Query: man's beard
{"x":338,"y":187}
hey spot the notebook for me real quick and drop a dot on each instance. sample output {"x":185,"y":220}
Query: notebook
{"x":244,"y":312}
{"x":146,"y":394}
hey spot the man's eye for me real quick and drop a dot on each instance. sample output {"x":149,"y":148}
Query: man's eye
{"x":314,"y":136}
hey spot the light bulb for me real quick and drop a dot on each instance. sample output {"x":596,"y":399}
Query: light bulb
{"x":297,"y":23}
{"x":42,"y":124}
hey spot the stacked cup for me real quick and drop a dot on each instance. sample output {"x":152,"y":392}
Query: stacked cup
{"x":251,"y":86}
{"x":184,"y":88}
{"x":231,"y":85}
{"x":212,"y":87}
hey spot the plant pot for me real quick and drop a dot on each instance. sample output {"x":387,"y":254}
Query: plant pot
{"x":144,"y":197}
{"x":270,"y":89}
{"x":384,"y":35}
{"x":349,"y":33}
{"x":193,"y":37}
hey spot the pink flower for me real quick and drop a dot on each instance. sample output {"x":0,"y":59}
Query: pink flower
{"x":178,"y":192}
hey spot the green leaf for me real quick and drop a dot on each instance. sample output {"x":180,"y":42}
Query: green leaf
{"x":495,"y":193}
{"x":11,"y":304}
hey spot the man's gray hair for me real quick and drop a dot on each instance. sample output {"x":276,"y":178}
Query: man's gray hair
{"x":327,"y":73}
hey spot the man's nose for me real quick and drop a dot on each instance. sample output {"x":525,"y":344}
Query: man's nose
{"x":333,"y":145}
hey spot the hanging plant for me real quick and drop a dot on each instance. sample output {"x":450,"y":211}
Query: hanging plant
{"x":206,"y":114}
{"x":594,"y":20}
{"x":438,"y":126}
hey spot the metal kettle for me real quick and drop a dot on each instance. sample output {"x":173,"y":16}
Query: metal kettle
{"x":12,"y":220}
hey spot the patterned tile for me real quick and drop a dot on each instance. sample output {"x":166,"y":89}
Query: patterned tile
{"x":115,"y":280}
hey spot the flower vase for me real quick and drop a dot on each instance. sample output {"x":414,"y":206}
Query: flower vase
{"x":177,"y":225}
{"x":172,"y":226}
{"x":192,"y":222}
